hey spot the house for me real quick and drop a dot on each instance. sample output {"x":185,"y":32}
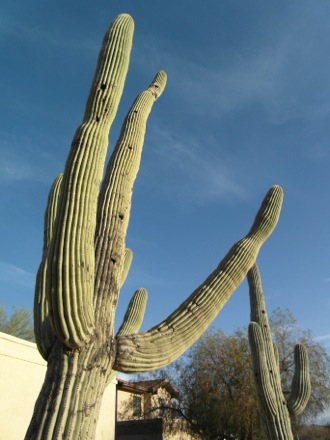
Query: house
{"x":143,"y":411}
{"x":143,"y":400}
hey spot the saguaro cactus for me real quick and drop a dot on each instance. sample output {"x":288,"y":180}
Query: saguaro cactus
{"x":85,"y":262}
{"x":275,"y":408}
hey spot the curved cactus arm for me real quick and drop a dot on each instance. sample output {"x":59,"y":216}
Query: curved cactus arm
{"x":133,"y":318}
{"x":162,"y":344}
{"x":71,"y":254}
{"x":45,"y":336}
{"x":261,"y":370}
{"x":128,"y":257}
{"x":301,"y":384}
{"x":135,"y":313}
{"x":115,"y":203}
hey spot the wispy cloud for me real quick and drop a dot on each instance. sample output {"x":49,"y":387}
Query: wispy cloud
{"x":22,"y":160}
{"x":43,"y":35}
{"x":270,"y":77}
{"x":204,"y":176}
{"x":322,"y":338}
{"x":15,"y":275}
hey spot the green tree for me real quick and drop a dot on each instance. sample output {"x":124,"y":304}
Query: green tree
{"x":214,"y":379}
{"x":216,"y":388}
{"x":19,"y":323}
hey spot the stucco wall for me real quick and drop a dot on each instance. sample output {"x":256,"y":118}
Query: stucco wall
{"x":22,"y":371}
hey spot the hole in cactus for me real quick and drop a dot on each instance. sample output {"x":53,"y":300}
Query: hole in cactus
{"x":113,"y":260}
{"x":103,"y":87}
{"x":263,"y":311}
{"x":121,"y":216}
{"x":129,"y":147}
{"x":97,"y":119}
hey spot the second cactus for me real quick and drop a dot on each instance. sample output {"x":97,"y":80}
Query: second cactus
{"x":275,"y":408}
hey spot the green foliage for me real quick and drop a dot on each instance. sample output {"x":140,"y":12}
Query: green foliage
{"x":216,"y":388}
{"x":19,"y":323}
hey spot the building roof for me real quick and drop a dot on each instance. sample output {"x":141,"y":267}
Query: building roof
{"x":147,"y":386}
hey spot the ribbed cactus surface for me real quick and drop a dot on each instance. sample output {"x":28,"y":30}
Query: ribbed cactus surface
{"x":275,"y":408}
{"x":85,"y":261}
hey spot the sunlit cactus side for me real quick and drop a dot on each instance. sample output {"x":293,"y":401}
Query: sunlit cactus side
{"x":134,"y":314}
{"x":45,"y":336}
{"x":275,"y":408}
{"x":85,"y":261}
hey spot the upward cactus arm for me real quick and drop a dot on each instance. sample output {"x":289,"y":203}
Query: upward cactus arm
{"x":128,"y":257}
{"x":45,"y":337}
{"x":115,"y":202}
{"x":261,"y":370}
{"x":164,"y":343}
{"x":71,"y":255}
{"x":133,"y":318}
{"x":135,"y":313}
{"x":301,"y":384}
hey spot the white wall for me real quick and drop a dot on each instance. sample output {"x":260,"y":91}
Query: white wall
{"x":22,"y":371}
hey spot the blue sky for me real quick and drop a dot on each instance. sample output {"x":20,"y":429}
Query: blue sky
{"x":247,"y":105}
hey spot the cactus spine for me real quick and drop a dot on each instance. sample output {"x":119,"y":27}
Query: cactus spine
{"x":275,"y":409}
{"x":85,"y":262}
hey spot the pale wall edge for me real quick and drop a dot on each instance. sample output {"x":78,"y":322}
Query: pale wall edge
{"x":22,"y":371}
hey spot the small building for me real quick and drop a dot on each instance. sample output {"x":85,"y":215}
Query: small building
{"x":144,"y":411}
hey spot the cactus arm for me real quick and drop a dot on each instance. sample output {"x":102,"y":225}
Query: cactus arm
{"x":162,"y":344}
{"x":45,"y":336}
{"x":133,"y":318}
{"x":134,"y":314}
{"x":261,"y":370}
{"x":71,"y":254}
{"x":301,"y":384}
{"x":115,"y":202}
{"x":128,"y":257}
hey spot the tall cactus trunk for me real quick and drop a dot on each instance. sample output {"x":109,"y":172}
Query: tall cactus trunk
{"x":69,"y":401}
{"x":85,"y":262}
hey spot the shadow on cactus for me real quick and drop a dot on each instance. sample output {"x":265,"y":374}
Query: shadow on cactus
{"x":275,"y":408}
{"x":85,"y":261}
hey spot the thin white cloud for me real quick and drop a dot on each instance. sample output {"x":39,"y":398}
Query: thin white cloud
{"x":204,"y":177}
{"x":22,"y":160}
{"x":45,"y":36}
{"x":285,"y":78}
{"x":16,"y":275}
{"x":322,"y":338}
